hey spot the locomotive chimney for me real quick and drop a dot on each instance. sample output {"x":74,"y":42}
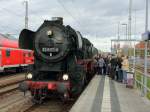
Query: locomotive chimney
{"x":58,"y":20}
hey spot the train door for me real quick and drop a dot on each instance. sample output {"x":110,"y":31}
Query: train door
{"x":11,"y":57}
{"x":7,"y":57}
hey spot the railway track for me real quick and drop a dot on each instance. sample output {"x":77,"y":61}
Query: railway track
{"x":52,"y":105}
{"x":9,"y":88}
{"x":19,"y":103}
{"x":16,"y":102}
{"x":10,"y":83}
{"x":9,"y":74}
{"x":12,"y":100}
{"x":140,"y":69}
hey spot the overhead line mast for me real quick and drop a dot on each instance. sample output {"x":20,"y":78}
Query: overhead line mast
{"x":26,"y":14}
{"x":130,"y":24}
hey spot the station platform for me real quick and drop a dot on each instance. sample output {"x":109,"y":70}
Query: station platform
{"x":106,"y":95}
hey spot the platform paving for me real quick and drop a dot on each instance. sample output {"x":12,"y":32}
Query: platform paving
{"x":87,"y":98}
{"x":131,"y":100}
{"x":106,"y":95}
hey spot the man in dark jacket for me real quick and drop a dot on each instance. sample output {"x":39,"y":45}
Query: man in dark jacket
{"x":107,"y":61}
{"x":119,"y":72}
{"x":113,"y":62}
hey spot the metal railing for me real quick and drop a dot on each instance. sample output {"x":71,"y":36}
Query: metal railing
{"x":140,"y":82}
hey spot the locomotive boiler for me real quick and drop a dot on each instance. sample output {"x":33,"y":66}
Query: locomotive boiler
{"x":63,"y":60}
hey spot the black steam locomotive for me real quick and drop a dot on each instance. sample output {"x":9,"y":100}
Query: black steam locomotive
{"x":63,"y":60}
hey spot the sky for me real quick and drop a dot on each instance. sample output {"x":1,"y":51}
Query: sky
{"x":97,"y":20}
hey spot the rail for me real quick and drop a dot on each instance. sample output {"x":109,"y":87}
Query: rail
{"x":140,"y":82}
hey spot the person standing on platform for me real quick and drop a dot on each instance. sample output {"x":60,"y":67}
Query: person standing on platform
{"x":113,"y":67}
{"x":119,"y":64}
{"x":116,"y":72}
{"x":125,"y":68}
{"x":97,"y":64}
{"x":101,"y":65}
{"x":109,"y":65}
{"x":106,"y":60}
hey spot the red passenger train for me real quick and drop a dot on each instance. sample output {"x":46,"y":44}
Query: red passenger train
{"x":7,"y":41}
{"x":13,"y":57}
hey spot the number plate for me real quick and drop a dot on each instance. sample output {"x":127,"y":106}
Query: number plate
{"x":50,"y":49}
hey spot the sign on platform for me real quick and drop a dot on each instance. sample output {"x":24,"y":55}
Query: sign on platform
{"x":129,"y":75}
{"x":146,"y":36}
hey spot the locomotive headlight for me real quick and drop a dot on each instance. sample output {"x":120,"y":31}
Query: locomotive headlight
{"x":49,"y":32}
{"x":65,"y":77}
{"x":29,"y":76}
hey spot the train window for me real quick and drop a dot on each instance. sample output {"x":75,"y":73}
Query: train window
{"x":25,"y":55}
{"x":7,"y":52}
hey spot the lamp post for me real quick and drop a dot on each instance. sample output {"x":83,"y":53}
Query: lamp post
{"x":145,"y":59}
{"x":126,"y":25}
{"x":26,"y":13}
{"x":130,"y":24}
{"x":118,"y":42}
